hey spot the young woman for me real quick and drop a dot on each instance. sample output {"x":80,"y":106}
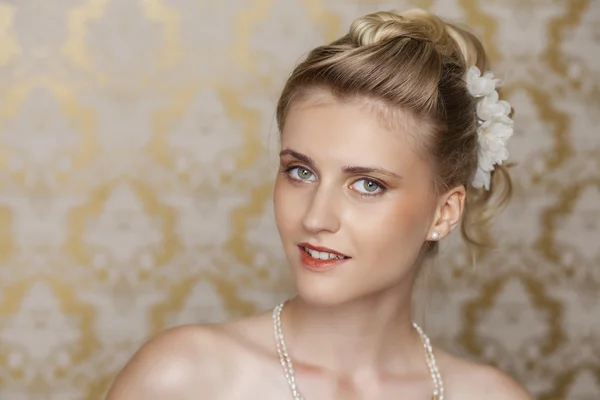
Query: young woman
{"x":390,"y":139}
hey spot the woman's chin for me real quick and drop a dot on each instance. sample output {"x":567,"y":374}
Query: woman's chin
{"x":323,"y":291}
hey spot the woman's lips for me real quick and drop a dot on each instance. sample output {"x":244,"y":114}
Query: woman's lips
{"x":312,"y":248}
{"x":317,"y":260}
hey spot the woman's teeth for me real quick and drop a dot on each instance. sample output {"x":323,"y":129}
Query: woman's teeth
{"x":322,"y":255}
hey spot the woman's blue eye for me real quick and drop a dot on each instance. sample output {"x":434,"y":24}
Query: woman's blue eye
{"x":367,"y":186}
{"x":301,"y":174}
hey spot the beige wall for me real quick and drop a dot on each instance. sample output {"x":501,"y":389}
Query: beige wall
{"x":135,"y":183}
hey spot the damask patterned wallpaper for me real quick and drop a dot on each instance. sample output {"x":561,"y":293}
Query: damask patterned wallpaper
{"x":136,"y":158}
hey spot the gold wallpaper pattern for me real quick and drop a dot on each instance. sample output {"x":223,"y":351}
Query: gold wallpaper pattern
{"x":136,"y":161}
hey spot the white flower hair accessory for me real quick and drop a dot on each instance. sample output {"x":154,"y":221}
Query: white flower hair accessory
{"x":494,"y":126}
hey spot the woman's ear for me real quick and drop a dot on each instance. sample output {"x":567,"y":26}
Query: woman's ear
{"x":448,"y":213}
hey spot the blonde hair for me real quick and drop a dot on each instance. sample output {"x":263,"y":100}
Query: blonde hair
{"x":415,"y":62}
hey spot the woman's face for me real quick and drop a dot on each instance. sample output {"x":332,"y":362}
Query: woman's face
{"x":353,"y":201}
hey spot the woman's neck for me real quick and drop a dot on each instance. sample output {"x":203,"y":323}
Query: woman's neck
{"x":373,"y":333}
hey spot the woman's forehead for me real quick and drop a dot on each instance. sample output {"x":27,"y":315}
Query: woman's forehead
{"x":350,"y":132}
{"x":392,"y":118}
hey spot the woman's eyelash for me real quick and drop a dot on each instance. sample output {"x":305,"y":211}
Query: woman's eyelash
{"x":292,"y":167}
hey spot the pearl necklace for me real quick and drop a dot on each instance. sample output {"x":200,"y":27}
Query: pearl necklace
{"x":288,"y":369}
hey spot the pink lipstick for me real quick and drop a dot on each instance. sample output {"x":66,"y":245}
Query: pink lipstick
{"x":318,"y":259}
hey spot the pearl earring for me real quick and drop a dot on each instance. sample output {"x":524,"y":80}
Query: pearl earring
{"x":435,"y":235}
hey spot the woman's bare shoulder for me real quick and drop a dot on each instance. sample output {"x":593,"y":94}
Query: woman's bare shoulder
{"x":468,"y":380}
{"x":168,"y":365}
{"x":184,"y":362}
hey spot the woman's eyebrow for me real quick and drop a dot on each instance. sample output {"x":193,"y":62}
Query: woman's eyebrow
{"x":369,"y":170}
